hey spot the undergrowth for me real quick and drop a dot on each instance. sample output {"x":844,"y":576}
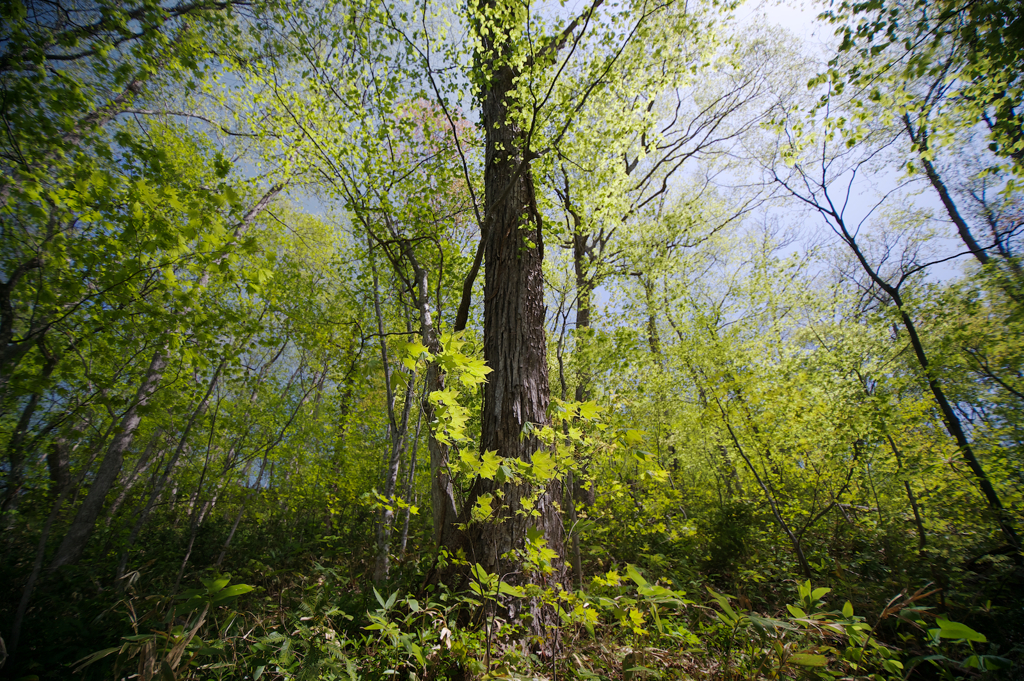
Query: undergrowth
{"x":319,"y":623}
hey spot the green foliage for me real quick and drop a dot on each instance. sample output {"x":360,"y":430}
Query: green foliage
{"x":175,"y":643}
{"x":208,"y":183}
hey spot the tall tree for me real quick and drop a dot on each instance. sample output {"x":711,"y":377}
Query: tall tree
{"x":813,"y":171}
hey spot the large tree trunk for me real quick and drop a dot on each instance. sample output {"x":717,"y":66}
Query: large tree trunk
{"x":516,"y":393}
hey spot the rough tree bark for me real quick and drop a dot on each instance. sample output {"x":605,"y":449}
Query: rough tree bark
{"x":517,"y":392}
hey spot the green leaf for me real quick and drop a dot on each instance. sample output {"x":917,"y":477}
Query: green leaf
{"x":956,"y":630}
{"x":633,"y":436}
{"x":892,"y":666}
{"x":510,"y":590}
{"x":470,"y":462}
{"x":635,"y":575}
{"x":399,"y":380}
{"x":808,"y":659}
{"x":489,"y":464}
{"x":480,"y":573}
{"x":95,"y":657}
{"x":542,"y":466}
{"x":589,"y":410}
{"x":482,"y":510}
{"x":796,"y":612}
{"x":994,"y":662}
{"x":418,"y":652}
{"x":416,"y":350}
{"x":769,"y":624}
{"x":233,"y":591}
{"x":804,"y":590}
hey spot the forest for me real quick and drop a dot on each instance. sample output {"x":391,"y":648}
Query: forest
{"x":508,"y":339}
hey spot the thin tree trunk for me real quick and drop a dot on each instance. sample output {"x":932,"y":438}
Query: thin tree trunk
{"x":798,"y":550}
{"x":922,"y":537}
{"x":241,"y":512}
{"x":584,"y":295}
{"x":161,"y":483}
{"x":955,"y":429}
{"x":16,"y":458}
{"x":578,"y":494}
{"x":726,"y":466}
{"x":952,"y":422}
{"x":143,"y":464}
{"x":73,"y":544}
{"x":411,"y":480}
{"x":387,"y":520}
{"x":653,"y":340}
{"x":37,"y":566}
{"x":58,"y":462}
{"x":920,"y":138}
{"x":197,"y":519}
{"x":19,"y":440}
{"x":37,"y":563}
{"x":442,"y":492}
{"x":575,"y":557}
{"x":75,"y":539}
{"x":397,"y":428}
{"x":231,"y":535}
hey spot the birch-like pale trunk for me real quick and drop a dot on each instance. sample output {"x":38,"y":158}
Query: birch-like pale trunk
{"x":397,"y":427}
{"x":77,"y":535}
